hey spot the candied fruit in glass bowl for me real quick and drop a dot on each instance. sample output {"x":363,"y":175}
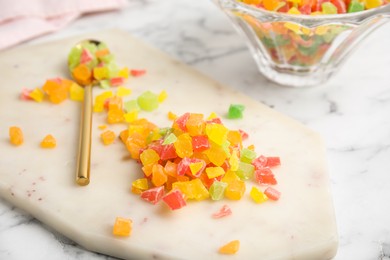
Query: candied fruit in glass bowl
{"x":302,"y":43}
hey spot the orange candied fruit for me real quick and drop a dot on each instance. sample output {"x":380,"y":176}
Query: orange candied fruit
{"x":122,"y":227}
{"x":49,"y":142}
{"x":82,"y":74}
{"x":16,"y":135}
{"x":108,"y":137}
{"x":230,"y":248}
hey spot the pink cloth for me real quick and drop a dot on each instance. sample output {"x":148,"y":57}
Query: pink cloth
{"x":21,"y":20}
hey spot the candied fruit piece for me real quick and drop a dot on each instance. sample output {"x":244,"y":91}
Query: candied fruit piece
{"x":137,"y":73}
{"x":195,"y":124}
{"x":235,"y":190}
{"x":200,"y":143}
{"x":76,"y":92}
{"x":257,"y":195}
{"x":265,"y":176}
{"x":272,"y":193}
{"x":245,"y":171}
{"x":49,"y":142}
{"x":247,"y":155}
{"x":124,"y":73}
{"x":149,"y":156}
{"x":236,"y":111}
{"x":37,"y":95}
{"x":139,"y":185}
{"x":153,"y":195}
{"x":100,"y":73}
{"x":213,"y":172}
{"x":122,"y":227}
{"x":123,"y":91}
{"x":148,"y":101}
{"x":108,"y":137}
{"x":82,"y":74}
{"x":162,"y":96}
{"x":230,"y":248}
{"x":174,"y":199}
{"x":216,"y":133}
{"x":16,"y":135}
{"x":159,"y":177}
{"x":217,"y":190}
{"x":183,"y":145}
{"x":223,"y":212}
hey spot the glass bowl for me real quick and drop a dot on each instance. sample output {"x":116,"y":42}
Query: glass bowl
{"x":301,"y":50}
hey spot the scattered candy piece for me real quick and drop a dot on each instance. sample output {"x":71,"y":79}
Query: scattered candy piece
{"x":137,"y":73}
{"x":230,"y":248}
{"x":223,"y":212}
{"x":37,"y":95}
{"x":257,"y":195}
{"x":236,"y":111}
{"x":122,"y":227}
{"x":108,"y":137}
{"x":76,"y":92}
{"x":123,"y":91}
{"x":272,"y":193}
{"x":162,"y":96}
{"x":49,"y":142}
{"x":16,"y":135}
{"x":148,"y":101}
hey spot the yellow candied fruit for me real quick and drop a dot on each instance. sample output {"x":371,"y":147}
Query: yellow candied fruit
{"x":162,"y":96}
{"x":139,"y":185}
{"x":321,"y":30}
{"x":123,"y":91}
{"x":257,"y":195}
{"x":230,"y":248}
{"x":213,"y":172}
{"x":122,"y":227}
{"x":124,"y":73}
{"x":131,"y":116}
{"x":76,"y":92}
{"x":293,"y":10}
{"x":100,"y":73}
{"x":115,"y":116}
{"x":108,"y":137}
{"x":212,"y":116}
{"x":373,"y":3}
{"x":99,"y":101}
{"x":49,"y":142}
{"x":16,"y":135}
{"x":102,"y":127}
{"x":37,"y":94}
{"x":171,"y":116}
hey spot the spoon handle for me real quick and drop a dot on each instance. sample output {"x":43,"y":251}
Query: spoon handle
{"x":84,"y":155}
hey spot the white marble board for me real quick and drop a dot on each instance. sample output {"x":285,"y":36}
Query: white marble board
{"x":301,"y":225}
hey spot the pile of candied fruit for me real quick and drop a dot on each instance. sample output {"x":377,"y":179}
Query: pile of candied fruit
{"x":316,"y":7}
{"x":196,"y":159}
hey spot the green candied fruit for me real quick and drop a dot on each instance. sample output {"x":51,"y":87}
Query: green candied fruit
{"x":247,"y":155}
{"x":355,"y":6}
{"x":225,"y":147}
{"x":92,"y":48}
{"x":170,"y":139}
{"x":74,"y":58}
{"x":131,"y":105}
{"x":148,"y":101}
{"x":164,"y":131}
{"x":109,"y":58}
{"x":329,"y":8}
{"x":102,"y":46}
{"x":236,"y":111}
{"x":217,"y":190}
{"x":104,"y":84}
{"x":245,"y":170}
{"x":113,"y":70}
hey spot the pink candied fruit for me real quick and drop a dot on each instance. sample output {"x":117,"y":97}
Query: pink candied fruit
{"x":272,"y":193}
{"x":168,"y":152}
{"x":200,"y":143}
{"x":174,"y":199}
{"x":223,"y":212}
{"x":117,"y":81}
{"x":182,"y":121}
{"x":137,"y":73}
{"x":85,"y":56}
{"x":265,"y":176}
{"x":153,"y":195}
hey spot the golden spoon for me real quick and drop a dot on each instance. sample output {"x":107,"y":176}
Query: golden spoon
{"x":84,"y":152}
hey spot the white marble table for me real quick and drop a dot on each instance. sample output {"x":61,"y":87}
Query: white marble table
{"x":350,"y":111}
